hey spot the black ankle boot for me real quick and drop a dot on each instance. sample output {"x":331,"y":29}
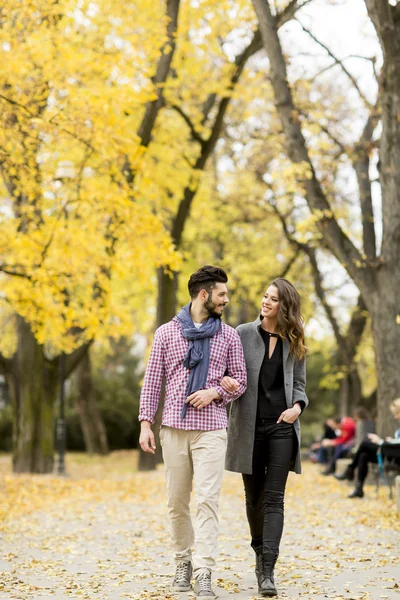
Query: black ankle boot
{"x":329,"y":470}
{"x":348,"y":474}
{"x":267,"y":584}
{"x":358,"y":491}
{"x":259,"y":563}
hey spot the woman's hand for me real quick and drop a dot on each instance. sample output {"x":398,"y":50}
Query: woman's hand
{"x":290,"y":414}
{"x":229,"y":384}
{"x":375,"y":439}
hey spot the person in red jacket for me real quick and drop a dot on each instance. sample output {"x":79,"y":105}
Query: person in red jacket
{"x":341,"y":444}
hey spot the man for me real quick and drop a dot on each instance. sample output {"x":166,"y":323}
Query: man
{"x":319,"y":454}
{"x":193,"y":352}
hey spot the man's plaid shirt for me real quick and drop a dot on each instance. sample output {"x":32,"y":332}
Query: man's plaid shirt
{"x":166,"y":361}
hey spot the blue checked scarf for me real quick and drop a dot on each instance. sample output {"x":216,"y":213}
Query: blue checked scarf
{"x":197,"y":358}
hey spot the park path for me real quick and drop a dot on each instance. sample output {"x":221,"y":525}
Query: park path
{"x":106,"y":536}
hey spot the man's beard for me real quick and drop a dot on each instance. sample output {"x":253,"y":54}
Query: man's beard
{"x":210,"y":308}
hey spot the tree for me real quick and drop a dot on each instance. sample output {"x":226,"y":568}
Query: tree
{"x":94,"y":432}
{"x":350,"y":394}
{"x":70,"y":230}
{"x":376,"y":276}
{"x":204,"y":114}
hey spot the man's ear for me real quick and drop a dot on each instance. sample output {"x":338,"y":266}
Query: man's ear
{"x":203,"y":294}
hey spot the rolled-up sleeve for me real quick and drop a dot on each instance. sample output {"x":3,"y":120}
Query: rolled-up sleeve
{"x":151,"y":389}
{"x":235,"y":368}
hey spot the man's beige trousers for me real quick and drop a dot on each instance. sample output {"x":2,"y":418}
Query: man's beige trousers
{"x":199,"y":457}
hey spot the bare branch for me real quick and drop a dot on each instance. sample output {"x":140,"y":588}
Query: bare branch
{"x":289,"y":12}
{"x":340,"y":244}
{"x":17,"y":104}
{"x":9,"y":271}
{"x":153,"y":107}
{"x":195,"y":135}
{"x":286,"y":268}
{"x":338,"y":62}
{"x":163,"y":67}
{"x":72,"y":360}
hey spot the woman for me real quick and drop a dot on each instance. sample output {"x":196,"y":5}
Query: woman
{"x":368,"y":453}
{"x":264,"y":430}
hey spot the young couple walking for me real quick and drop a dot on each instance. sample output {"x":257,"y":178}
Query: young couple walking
{"x":206,"y":365}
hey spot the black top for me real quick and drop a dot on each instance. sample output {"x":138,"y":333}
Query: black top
{"x":271,"y":388}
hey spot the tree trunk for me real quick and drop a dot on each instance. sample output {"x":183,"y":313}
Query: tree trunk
{"x":167,"y":291}
{"x":344,"y":396}
{"x":356,"y":398}
{"x":387,"y":348}
{"x":385,"y":309}
{"x":350,"y":391}
{"x":33,"y":383}
{"x":93,"y":429}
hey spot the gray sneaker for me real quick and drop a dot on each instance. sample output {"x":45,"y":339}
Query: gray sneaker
{"x":183,"y":576}
{"x":202,"y":586}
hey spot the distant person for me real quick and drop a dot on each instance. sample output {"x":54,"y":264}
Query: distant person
{"x":264,"y":428}
{"x":368,"y":453}
{"x":318,"y":453}
{"x":192,"y":353}
{"x":341,"y":444}
{"x":364,"y":426}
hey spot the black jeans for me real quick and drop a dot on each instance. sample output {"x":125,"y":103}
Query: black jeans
{"x":365,"y":454}
{"x":274,"y":445}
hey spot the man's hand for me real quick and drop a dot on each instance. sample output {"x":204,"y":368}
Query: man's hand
{"x":229,"y":384}
{"x":315,"y":446}
{"x":290,"y":414}
{"x":327,"y":443}
{"x":146,"y":439}
{"x":202,"y":398}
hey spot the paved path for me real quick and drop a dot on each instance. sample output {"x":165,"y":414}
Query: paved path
{"x":109,"y":539}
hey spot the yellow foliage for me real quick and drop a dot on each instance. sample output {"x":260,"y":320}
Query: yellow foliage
{"x":73,"y":240}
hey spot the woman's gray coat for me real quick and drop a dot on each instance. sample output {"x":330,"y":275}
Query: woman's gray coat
{"x":243,"y":411}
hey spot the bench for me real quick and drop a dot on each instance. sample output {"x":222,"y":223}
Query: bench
{"x":391,"y":463}
{"x":391,"y":473}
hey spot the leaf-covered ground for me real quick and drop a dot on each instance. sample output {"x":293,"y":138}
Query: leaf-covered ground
{"x":102,"y":532}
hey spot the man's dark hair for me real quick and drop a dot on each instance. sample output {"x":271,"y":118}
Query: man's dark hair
{"x":205,"y":279}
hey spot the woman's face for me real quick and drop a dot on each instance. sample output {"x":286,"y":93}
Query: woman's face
{"x":396,"y":413}
{"x":270,"y":303}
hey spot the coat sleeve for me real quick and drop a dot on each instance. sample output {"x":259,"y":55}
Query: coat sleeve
{"x":299,"y":383}
{"x":235,"y":368}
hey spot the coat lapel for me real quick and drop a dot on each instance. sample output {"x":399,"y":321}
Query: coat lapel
{"x":286,"y":348}
{"x":258,"y":350}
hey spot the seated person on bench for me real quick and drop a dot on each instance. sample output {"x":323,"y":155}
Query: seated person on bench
{"x":367,"y":453}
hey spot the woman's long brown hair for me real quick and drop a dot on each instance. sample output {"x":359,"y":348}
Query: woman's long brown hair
{"x":290,"y":321}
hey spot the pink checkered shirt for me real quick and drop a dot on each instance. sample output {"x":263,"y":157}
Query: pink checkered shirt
{"x":166,"y":361}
